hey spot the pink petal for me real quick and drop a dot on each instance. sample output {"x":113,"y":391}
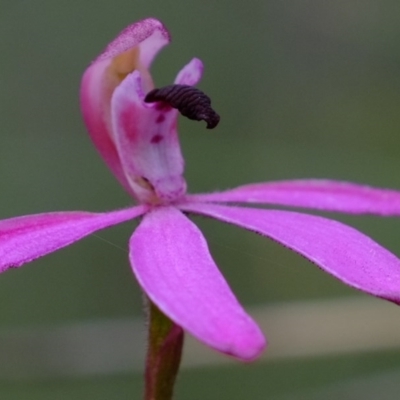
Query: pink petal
{"x":338,"y":249}
{"x":317,"y":194}
{"x":147,"y":142}
{"x":24,"y":239}
{"x":190,"y":74}
{"x":172,"y":263}
{"x":133,"y":49}
{"x":150,"y":34}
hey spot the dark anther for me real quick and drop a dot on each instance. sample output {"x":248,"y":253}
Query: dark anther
{"x":188,"y":100}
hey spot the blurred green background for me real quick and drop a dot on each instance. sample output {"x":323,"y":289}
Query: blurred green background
{"x":304,"y":89}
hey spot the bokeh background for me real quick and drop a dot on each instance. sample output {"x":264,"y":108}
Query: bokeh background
{"x":304,"y":89}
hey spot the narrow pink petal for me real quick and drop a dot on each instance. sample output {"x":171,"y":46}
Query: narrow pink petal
{"x":190,"y":74}
{"x":96,"y":114}
{"x":24,"y":239}
{"x":338,"y":249}
{"x":317,"y":194}
{"x":172,"y":263}
{"x":147,"y":142}
{"x":133,"y":49}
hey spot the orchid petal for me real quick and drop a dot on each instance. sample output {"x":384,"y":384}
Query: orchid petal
{"x":24,"y":239}
{"x":147,"y":142}
{"x":190,"y":74}
{"x":316,"y":194}
{"x":338,"y":249}
{"x":133,"y":49}
{"x":172,"y":263}
{"x":149,"y":34}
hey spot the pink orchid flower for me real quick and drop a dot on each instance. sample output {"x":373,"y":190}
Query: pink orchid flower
{"x":168,"y":253}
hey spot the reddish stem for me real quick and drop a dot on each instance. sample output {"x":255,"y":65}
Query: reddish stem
{"x":163,"y":356}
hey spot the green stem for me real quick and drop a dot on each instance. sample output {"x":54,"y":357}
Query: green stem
{"x":163,"y":355}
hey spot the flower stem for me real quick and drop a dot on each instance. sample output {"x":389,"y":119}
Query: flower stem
{"x":163,"y":355}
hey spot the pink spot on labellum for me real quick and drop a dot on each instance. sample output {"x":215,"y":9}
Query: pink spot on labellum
{"x":156,"y":139}
{"x":162,"y":106}
{"x":160,"y":118}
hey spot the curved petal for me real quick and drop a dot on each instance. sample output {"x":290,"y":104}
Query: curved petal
{"x":190,"y":74}
{"x":149,"y":34}
{"x":133,"y":49}
{"x":338,"y":249}
{"x":316,"y":194}
{"x":172,"y":263}
{"x":147,"y":143}
{"x":24,"y":239}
